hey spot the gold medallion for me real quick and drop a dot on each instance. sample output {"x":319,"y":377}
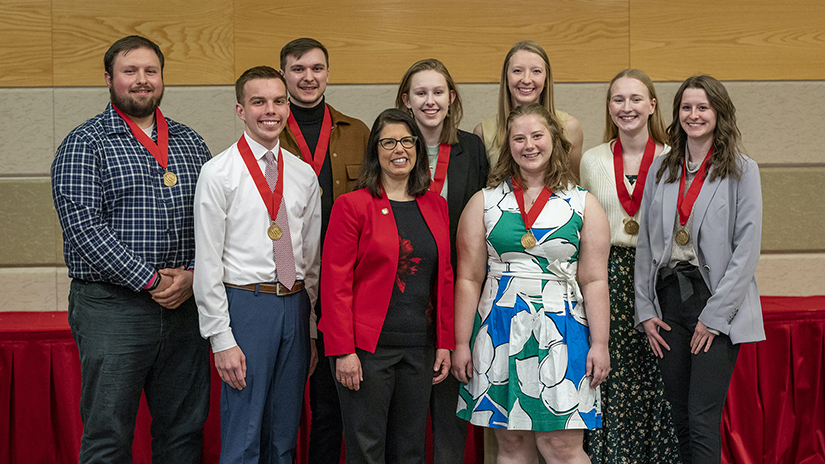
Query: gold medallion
{"x":528,"y":240}
{"x":321,"y":190}
{"x":275,"y":232}
{"x":682,"y":237}
{"x":631,"y":227}
{"x":169,"y":179}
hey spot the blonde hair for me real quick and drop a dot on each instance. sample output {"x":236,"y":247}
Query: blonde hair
{"x":505,"y":100}
{"x":655,"y":123}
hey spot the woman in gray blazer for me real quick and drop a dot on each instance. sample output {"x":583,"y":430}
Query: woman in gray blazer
{"x":696,"y":295}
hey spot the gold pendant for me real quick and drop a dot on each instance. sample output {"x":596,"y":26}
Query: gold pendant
{"x":169,"y":179}
{"x":682,"y":237}
{"x":631,"y":227}
{"x":528,"y":240}
{"x":274,"y":232}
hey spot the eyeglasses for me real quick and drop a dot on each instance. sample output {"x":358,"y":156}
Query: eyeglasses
{"x":406,"y":142}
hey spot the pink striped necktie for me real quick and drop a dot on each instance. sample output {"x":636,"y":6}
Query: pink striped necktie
{"x":282,"y":248}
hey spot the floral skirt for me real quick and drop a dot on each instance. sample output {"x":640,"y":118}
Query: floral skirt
{"x":637,"y":426}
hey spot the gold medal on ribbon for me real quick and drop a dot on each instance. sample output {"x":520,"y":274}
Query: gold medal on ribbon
{"x":631,"y":227}
{"x":169,"y":179}
{"x":321,"y":190}
{"x":274,"y":232}
{"x":682,"y":237}
{"x":528,"y":240}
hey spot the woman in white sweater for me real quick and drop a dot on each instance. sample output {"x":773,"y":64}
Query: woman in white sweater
{"x":637,"y":423}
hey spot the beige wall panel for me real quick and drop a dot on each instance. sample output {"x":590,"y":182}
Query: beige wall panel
{"x":793,"y":209}
{"x":735,"y":39}
{"x":210,"y":111}
{"x":28,"y":222}
{"x":26,"y":38}
{"x":195,"y":37}
{"x":800,"y":274}
{"x":29,"y":289}
{"x":26,"y":139}
{"x":375,"y":42}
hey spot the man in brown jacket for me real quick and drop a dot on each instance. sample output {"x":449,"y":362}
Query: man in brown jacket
{"x":333,"y":144}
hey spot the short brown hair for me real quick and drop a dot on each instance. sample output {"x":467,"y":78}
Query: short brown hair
{"x":258,"y":72}
{"x":449,"y":131}
{"x":419,"y":180}
{"x":557,"y":173}
{"x":128,"y":44}
{"x":298,"y":47}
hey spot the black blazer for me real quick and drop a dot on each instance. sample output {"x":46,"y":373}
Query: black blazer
{"x":466,"y":175}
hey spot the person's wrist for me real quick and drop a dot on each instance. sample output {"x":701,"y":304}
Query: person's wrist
{"x":155,"y":283}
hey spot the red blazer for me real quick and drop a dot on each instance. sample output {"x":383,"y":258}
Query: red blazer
{"x":359,"y":265}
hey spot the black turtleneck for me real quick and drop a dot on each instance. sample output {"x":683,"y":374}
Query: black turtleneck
{"x":310,"y":120}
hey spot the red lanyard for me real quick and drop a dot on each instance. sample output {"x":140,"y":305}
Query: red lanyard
{"x":271,"y":199}
{"x":686,"y":201}
{"x":441,"y":168}
{"x":629,"y":202}
{"x":531,"y":216}
{"x":316,"y":160}
{"x":159,"y":150}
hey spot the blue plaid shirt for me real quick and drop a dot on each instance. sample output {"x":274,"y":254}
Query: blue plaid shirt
{"x":120,"y":222}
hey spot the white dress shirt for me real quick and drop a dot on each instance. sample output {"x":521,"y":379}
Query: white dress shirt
{"x":231,"y":243}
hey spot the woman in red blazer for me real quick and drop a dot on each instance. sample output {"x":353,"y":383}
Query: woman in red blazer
{"x":387,"y":294}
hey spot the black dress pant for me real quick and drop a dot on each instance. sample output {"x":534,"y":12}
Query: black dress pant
{"x":449,"y":430}
{"x":326,"y":428}
{"x":695,"y":384}
{"x":385,"y":421}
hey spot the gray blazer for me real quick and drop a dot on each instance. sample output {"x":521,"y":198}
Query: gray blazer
{"x":727,"y":232}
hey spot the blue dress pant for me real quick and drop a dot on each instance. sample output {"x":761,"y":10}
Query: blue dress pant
{"x":695,"y":384}
{"x":259,"y":424}
{"x":129,"y":344}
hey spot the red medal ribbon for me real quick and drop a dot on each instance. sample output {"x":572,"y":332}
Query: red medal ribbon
{"x":441,"y":168}
{"x":159,"y":150}
{"x":629,"y":202}
{"x":531,"y":216}
{"x":271,"y":199}
{"x":686,"y":201}
{"x":316,"y":160}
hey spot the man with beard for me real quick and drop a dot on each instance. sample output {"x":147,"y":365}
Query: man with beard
{"x":333,"y":144}
{"x":123,"y":184}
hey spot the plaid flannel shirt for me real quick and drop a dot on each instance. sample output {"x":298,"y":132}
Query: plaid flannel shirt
{"x":120,"y":222}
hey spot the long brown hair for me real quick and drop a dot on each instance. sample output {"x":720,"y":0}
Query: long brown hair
{"x":727,"y":140}
{"x":655,"y":123}
{"x":505,"y":99}
{"x":557,"y":174}
{"x":419,"y":180}
{"x":449,"y":131}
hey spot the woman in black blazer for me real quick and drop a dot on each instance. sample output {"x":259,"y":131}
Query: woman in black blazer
{"x":458,"y":168}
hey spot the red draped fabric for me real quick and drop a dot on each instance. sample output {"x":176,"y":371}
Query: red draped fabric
{"x":775,"y":412}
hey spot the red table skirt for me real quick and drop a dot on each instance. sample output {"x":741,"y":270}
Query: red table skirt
{"x":775,"y":412}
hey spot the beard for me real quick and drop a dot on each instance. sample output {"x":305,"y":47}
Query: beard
{"x":136,"y":108}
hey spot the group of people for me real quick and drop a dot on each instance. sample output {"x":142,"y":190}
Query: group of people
{"x":581,"y":307}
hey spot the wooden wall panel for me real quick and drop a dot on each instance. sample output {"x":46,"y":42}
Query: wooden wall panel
{"x":376,"y":41}
{"x":196,"y":38}
{"x":25,"y":43}
{"x":731,"y":40}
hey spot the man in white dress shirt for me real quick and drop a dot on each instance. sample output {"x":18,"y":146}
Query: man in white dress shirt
{"x":257,"y":257}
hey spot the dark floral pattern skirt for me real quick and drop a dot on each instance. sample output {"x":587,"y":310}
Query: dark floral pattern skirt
{"x":637,"y":423}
